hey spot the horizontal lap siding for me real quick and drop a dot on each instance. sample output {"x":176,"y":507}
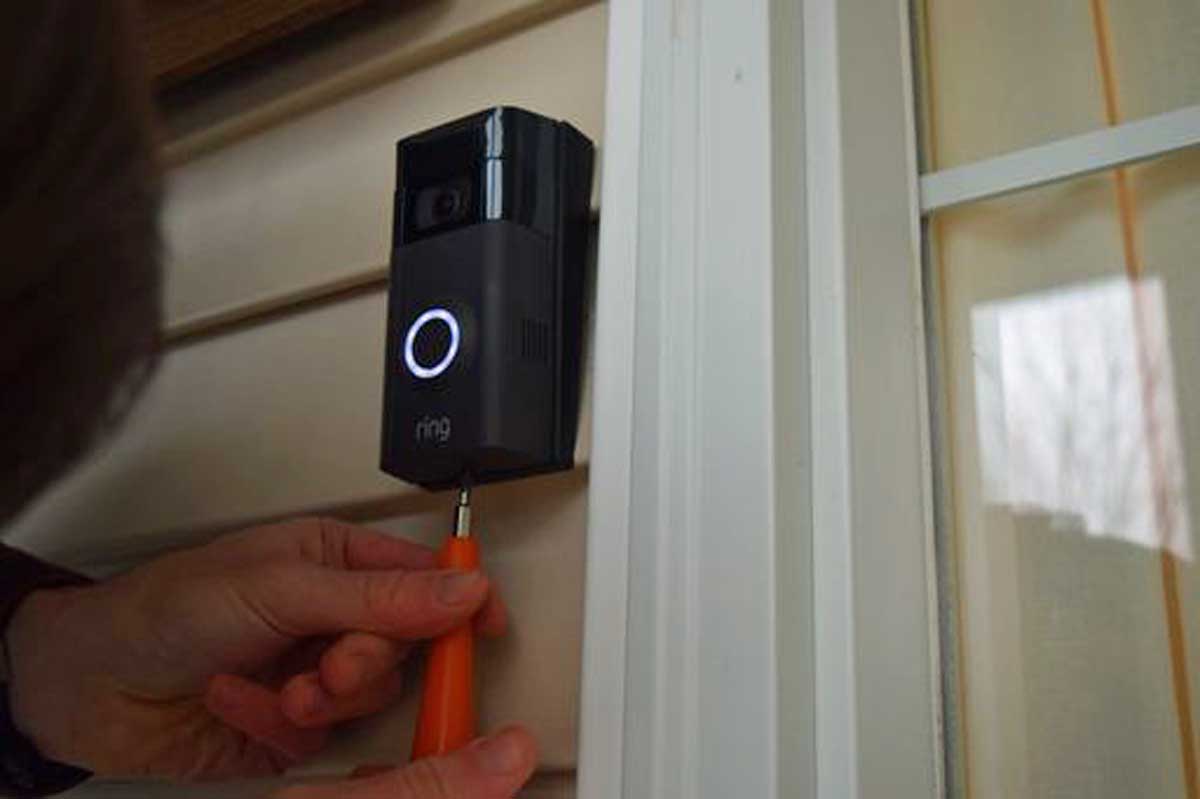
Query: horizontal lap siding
{"x":281,"y":416}
{"x":311,"y":199}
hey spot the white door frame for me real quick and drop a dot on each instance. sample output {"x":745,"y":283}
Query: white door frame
{"x":759,"y":597}
{"x":761,"y":602}
{"x":680,"y":667}
{"x":873,"y":559}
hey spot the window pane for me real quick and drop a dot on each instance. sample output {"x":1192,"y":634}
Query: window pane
{"x":1001,"y":75}
{"x":1069,"y":344}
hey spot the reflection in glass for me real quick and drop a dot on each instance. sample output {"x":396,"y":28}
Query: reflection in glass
{"x":1076,"y":412}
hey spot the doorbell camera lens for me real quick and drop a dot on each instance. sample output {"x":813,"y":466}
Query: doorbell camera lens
{"x":443,"y":205}
{"x":485,"y":301}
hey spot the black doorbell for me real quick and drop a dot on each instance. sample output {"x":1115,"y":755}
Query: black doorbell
{"x":485,"y":306}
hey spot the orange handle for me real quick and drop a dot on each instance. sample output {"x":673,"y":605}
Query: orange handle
{"x":447,"y":718}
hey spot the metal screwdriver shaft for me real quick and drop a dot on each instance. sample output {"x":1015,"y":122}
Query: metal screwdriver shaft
{"x":462,"y":513}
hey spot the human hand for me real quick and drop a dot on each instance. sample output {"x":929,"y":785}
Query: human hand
{"x":235,"y":659}
{"x":489,"y":768}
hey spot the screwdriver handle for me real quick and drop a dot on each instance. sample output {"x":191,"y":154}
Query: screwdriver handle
{"x":447,"y":717}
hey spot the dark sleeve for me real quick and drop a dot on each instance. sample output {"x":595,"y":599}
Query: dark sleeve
{"x":21,"y":574}
{"x":24,"y":772}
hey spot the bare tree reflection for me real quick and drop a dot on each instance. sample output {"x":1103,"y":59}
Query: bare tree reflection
{"x":1076,"y":411}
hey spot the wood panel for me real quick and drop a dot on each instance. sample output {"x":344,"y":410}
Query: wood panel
{"x":381,"y":42}
{"x":184,"y":38}
{"x":282,"y":416}
{"x":263,"y":422}
{"x":269,"y":421}
{"x":311,"y":200}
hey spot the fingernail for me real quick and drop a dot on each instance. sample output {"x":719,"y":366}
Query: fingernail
{"x":501,"y":754}
{"x":456,"y":589}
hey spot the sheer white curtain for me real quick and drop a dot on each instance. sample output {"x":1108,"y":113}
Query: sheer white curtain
{"x":1076,"y":641}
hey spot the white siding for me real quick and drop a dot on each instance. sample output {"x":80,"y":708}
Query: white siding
{"x":281,"y":416}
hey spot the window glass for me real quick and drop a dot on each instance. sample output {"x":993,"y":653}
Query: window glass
{"x":1067,"y":341}
{"x":1002,"y":75}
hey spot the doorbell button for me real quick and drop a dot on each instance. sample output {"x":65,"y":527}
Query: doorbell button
{"x":431,"y":343}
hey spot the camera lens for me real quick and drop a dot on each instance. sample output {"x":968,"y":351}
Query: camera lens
{"x":440,"y":206}
{"x":445,"y":205}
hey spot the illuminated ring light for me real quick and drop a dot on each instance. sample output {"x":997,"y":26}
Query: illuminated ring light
{"x":410,"y":360}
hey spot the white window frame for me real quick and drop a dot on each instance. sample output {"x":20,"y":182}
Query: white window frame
{"x":680,"y":684}
{"x":757,"y":625}
{"x":1056,"y":161}
{"x":776,"y":521}
{"x":760,"y":599}
{"x":877,"y":730}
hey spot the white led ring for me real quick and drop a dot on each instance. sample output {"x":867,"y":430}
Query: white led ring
{"x":410,"y":359}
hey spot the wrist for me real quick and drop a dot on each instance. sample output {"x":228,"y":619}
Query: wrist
{"x":38,"y":695}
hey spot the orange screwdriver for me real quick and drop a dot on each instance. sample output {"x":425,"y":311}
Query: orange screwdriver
{"x":447,"y":716}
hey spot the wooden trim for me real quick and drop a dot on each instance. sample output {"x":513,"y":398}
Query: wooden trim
{"x":185,"y":38}
{"x":370,"y":73}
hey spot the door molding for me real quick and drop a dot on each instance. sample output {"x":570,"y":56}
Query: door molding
{"x":878,"y":714}
{"x":681,"y":687}
{"x":760,"y":590}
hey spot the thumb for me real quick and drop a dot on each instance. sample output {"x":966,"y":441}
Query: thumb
{"x":489,"y":768}
{"x":403,"y":605}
